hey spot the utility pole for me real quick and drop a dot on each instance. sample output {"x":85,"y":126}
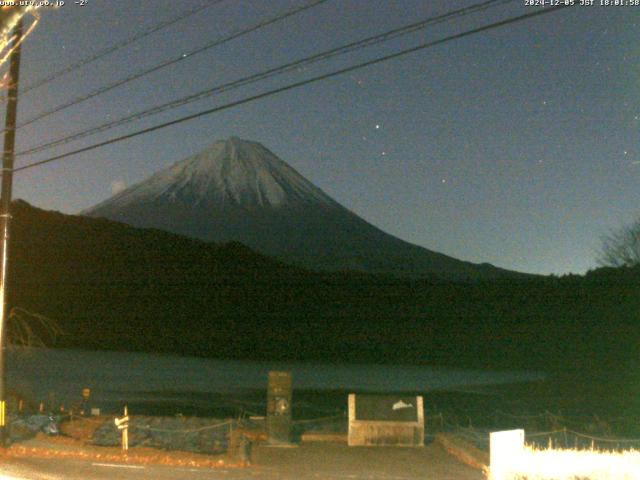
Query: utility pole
{"x":5,"y":214}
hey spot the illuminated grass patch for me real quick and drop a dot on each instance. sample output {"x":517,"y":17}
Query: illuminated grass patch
{"x":560,"y":464}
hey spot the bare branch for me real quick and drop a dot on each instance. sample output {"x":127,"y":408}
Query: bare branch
{"x":621,"y":248}
{"x":31,"y":329}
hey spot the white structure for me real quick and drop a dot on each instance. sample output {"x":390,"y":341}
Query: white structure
{"x":506,"y":451}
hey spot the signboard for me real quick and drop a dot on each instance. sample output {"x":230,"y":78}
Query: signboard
{"x":279,"y":407}
{"x":122,"y":424}
{"x":386,"y":420}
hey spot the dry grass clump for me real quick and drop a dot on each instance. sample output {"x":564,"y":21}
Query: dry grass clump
{"x":561,"y":464}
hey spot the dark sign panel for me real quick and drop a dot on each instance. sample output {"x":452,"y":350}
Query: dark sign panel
{"x":386,"y":408}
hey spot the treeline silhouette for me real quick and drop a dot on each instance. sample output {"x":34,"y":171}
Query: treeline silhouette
{"x":111,"y":286}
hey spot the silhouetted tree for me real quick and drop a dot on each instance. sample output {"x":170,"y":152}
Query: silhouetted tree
{"x":621,"y":248}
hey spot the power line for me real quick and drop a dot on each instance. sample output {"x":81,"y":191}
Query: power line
{"x":367,"y":42}
{"x":269,"y":73}
{"x":117,"y":46}
{"x":295,"y":85}
{"x":172,"y":61}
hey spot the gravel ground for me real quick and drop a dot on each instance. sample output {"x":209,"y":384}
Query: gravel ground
{"x":328,"y":460}
{"x":42,"y":458}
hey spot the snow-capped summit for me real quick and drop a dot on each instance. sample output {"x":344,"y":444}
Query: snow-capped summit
{"x":231,"y":172}
{"x":237,"y":190}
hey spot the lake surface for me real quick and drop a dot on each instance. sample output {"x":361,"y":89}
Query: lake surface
{"x":115,"y":378}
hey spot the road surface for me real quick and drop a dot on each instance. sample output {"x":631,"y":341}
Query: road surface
{"x":307,"y":462}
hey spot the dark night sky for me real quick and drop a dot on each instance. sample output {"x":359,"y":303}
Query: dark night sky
{"x":517,"y":146}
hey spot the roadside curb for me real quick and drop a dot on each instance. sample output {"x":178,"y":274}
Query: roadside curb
{"x":310,"y":437}
{"x":464,"y":451}
{"x":143,"y":456}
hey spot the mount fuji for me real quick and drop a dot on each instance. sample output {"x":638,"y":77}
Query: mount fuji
{"x":238,"y":190}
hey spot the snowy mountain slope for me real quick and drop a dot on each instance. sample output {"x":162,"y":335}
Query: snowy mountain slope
{"x":230,"y":173}
{"x":238,"y":190}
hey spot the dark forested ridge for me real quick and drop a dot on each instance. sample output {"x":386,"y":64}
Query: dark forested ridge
{"x":112,"y":286}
